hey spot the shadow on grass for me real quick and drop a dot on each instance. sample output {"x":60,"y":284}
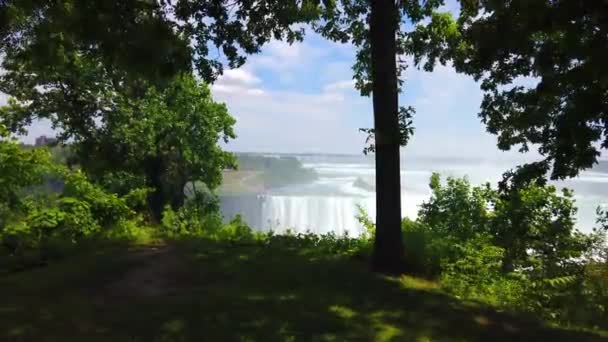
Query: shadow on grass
{"x":218,"y":291}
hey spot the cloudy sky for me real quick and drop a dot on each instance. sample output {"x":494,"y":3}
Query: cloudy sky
{"x":300,"y":98}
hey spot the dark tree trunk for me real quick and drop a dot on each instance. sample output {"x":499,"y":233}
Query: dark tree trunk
{"x":177,"y":195}
{"x":156,"y":200}
{"x":388,"y":246}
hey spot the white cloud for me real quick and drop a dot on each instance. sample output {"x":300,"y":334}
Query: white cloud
{"x":298,"y":120}
{"x":238,"y":77}
{"x":229,"y":89}
{"x":286,"y":51}
{"x":340,"y":86}
{"x":220,"y":88}
{"x":446,"y":121}
{"x":295,"y":121}
{"x":286,"y":60}
{"x":238,"y":81}
{"x":256,"y":92}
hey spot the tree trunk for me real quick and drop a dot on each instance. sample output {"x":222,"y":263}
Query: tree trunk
{"x":388,"y":246}
{"x":156,"y":199}
{"x":177,"y":195}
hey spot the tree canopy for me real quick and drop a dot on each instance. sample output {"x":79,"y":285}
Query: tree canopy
{"x":153,"y":39}
{"x":542,"y":68}
{"x":164,"y":140}
{"x":129,"y":135}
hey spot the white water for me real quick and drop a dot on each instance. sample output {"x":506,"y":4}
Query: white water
{"x":330,"y":203}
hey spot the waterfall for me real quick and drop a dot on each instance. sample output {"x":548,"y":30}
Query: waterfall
{"x":329,"y":204}
{"x":317,"y":214}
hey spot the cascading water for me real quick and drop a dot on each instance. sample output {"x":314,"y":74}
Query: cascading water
{"x":318,"y":214}
{"x":329,"y":204}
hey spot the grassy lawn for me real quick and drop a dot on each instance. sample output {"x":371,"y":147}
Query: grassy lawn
{"x":201,"y":290}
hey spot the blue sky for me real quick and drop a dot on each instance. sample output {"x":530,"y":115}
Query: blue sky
{"x":300,"y":98}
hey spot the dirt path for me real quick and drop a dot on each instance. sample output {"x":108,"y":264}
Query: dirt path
{"x":159,"y":273}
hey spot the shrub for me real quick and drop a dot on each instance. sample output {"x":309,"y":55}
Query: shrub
{"x":477,"y":274}
{"x":107,"y":208}
{"x":48,"y":224}
{"x":134,"y":231}
{"x":594,"y":291}
{"x":236,"y":229}
{"x":456,"y":209}
{"x":422,"y":249}
{"x":369,"y":227}
{"x":535,"y":226}
{"x":20,"y":169}
{"x":516,"y":248}
{"x":199,"y":216}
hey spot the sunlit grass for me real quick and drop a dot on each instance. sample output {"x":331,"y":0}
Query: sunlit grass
{"x":208,"y":290}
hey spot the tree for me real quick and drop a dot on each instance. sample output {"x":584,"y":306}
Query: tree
{"x":560,"y":46}
{"x":534,"y":225}
{"x":89,"y":67}
{"x":166,"y":139}
{"x":19,"y":168}
{"x":42,"y":32}
{"x":378,"y":29}
{"x":151,"y":39}
{"x":388,"y":247}
{"x":161,"y":139}
{"x":133,"y":35}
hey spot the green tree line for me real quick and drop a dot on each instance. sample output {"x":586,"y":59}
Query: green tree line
{"x":91,"y":65}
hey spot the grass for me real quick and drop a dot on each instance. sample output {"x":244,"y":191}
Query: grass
{"x":195,"y":290}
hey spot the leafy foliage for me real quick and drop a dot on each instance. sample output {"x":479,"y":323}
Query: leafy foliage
{"x":477,"y":274}
{"x":518,"y":252}
{"x":153,"y":44}
{"x":160,"y":139}
{"x":82,"y":210}
{"x":19,"y":169}
{"x":168,"y":138}
{"x":189,"y":220}
{"x":544,"y":80}
{"x":534,"y":225}
{"x":456,"y":209}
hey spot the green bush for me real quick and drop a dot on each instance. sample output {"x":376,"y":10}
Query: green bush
{"x":107,"y":208}
{"x":48,"y":224}
{"x":20,"y":169}
{"x":477,"y":275}
{"x":194,"y":218}
{"x":236,"y":229}
{"x":516,"y":249}
{"x":133,"y":231}
{"x":369,"y":227}
{"x":456,"y":209}
{"x":423,"y":251}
